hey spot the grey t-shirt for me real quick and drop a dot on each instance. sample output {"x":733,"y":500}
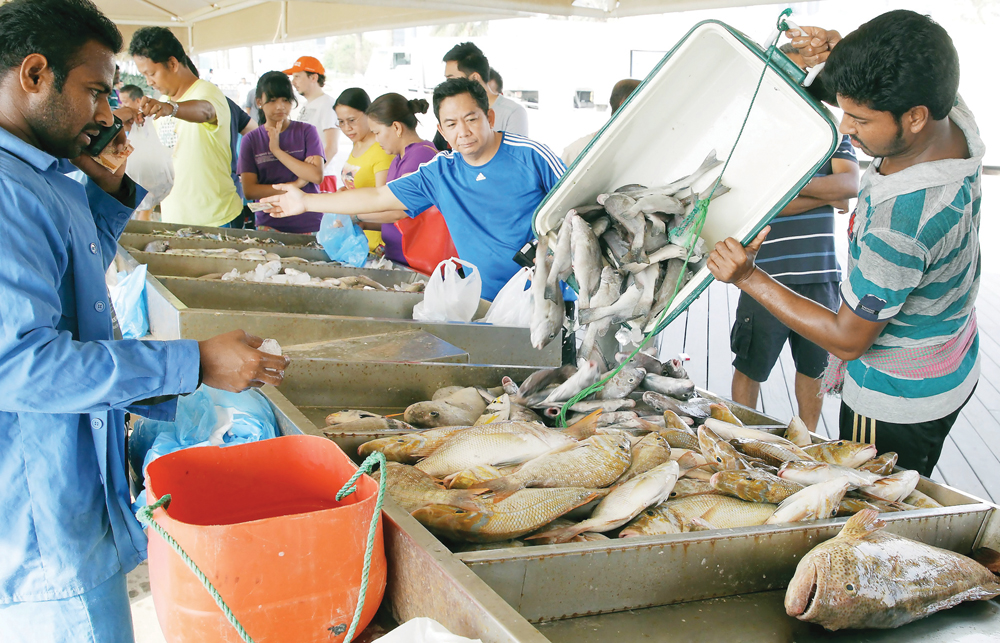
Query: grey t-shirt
{"x":510,"y":117}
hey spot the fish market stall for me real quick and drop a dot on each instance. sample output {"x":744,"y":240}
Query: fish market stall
{"x":186,"y":307}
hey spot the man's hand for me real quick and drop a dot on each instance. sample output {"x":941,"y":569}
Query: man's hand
{"x":152,"y":107}
{"x":231,"y":362}
{"x":110,"y":182}
{"x":289,"y":204}
{"x":731,"y":263}
{"x":814,"y":43}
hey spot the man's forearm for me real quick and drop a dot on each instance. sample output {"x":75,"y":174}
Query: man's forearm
{"x":833,"y":187}
{"x":359,"y":201}
{"x":390,"y":216}
{"x":801,"y":204}
{"x":196,"y":111}
{"x":809,"y":319}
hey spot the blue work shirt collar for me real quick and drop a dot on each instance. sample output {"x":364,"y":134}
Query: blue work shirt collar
{"x":32,"y":155}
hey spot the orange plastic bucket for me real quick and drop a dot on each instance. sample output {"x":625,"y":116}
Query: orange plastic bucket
{"x":262,"y":522}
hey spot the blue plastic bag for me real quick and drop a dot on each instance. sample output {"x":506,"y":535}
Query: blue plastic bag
{"x":207,"y":417}
{"x":129,"y":299}
{"x":342,"y":240}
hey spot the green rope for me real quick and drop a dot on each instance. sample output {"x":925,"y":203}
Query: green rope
{"x":145,"y":516}
{"x":697,"y":217}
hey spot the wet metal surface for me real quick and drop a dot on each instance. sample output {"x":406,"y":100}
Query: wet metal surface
{"x":133,"y":241}
{"x":761,"y":618}
{"x":402,"y":346}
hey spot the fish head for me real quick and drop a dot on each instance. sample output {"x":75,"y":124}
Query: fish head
{"x":802,"y":471}
{"x":652,"y":521}
{"x":719,"y":453}
{"x":432,"y":414}
{"x":827,"y":587}
{"x":545,"y":326}
{"x":401,"y":448}
{"x":742,"y":484}
{"x":842,"y":452}
{"x":452,"y":522}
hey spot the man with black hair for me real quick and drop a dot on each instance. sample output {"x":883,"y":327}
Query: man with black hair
{"x":487,"y":189}
{"x":204,"y":192}
{"x":622,"y":90}
{"x":496,"y":82}
{"x":904,"y":344}
{"x":68,"y":535}
{"x":308,"y":77}
{"x":130,"y":95}
{"x":466,"y":60}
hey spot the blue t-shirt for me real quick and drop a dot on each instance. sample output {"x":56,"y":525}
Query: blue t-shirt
{"x":488,"y":208}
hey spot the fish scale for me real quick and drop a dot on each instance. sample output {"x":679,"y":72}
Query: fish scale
{"x":496,"y":444}
{"x":676,"y":516}
{"x":593,"y":463}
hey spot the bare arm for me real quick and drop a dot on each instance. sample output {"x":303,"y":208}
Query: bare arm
{"x":330,"y":142}
{"x":843,"y":333}
{"x":310,"y":170}
{"x":192,"y":111}
{"x":362,"y":201}
{"x":253,"y":190}
{"x":842,"y":184}
{"x":801,"y":204}
{"x":251,"y":126}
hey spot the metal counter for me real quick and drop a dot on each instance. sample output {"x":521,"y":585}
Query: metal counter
{"x":181,"y":307}
{"x":135,"y":241}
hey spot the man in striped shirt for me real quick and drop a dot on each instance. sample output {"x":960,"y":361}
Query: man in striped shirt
{"x":801,"y":254}
{"x":906,"y":328}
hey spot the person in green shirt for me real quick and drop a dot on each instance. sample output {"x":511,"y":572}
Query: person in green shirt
{"x":204,"y":193}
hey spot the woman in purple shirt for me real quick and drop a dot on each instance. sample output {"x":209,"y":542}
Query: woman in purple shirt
{"x":422,"y":241}
{"x":282,"y":151}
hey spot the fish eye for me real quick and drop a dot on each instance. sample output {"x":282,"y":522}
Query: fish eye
{"x":434,"y":414}
{"x":849,"y":587}
{"x":718,"y":459}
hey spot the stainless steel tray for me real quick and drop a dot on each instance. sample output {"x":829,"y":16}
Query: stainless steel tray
{"x":493,"y":595}
{"x":301,"y":314}
{"x":167,"y":265}
{"x":133,"y":241}
{"x":163,"y":230}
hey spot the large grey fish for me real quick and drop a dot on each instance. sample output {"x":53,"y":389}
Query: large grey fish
{"x":682,"y":515}
{"x":669,"y":285}
{"x":544,"y":378}
{"x":865,"y":577}
{"x":619,"y":206}
{"x":675,"y":368}
{"x":586,"y":374}
{"x":664,"y":203}
{"x":374,"y":425}
{"x":607,"y":294}
{"x":815,"y":502}
{"x":662,"y":403}
{"x":348,"y":415}
{"x":547,"y":311}
{"x":592,"y":463}
{"x":623,"y":383}
{"x":522,"y":513}
{"x":622,"y":310}
{"x":562,"y":259}
{"x":624,"y":502}
{"x":461,"y":408}
{"x":711,"y":161}
{"x":646,"y":280}
{"x":645,"y":360}
{"x":599,"y":226}
{"x":675,"y":388}
{"x":586,"y":253}
{"x":497,"y":444}
{"x":615,"y":246}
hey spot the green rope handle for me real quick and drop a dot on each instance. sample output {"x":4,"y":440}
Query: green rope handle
{"x":145,"y":516}
{"x":697,"y":218}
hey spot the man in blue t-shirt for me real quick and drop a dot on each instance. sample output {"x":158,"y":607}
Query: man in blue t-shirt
{"x":487,"y":188}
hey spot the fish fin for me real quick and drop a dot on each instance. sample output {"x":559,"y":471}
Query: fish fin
{"x":467,"y":500}
{"x":503,"y":495}
{"x":988,"y":558}
{"x":862,"y":524}
{"x":701,"y":524}
{"x":561,"y":534}
{"x":504,"y":486}
{"x":585,"y":427}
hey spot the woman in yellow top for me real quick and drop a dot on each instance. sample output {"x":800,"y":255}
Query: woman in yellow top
{"x":368,"y":164}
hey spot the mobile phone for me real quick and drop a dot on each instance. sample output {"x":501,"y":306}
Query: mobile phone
{"x":101,"y":141}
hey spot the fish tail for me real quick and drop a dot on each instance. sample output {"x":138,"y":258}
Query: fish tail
{"x":505,"y":485}
{"x":467,"y":499}
{"x":585,"y":427}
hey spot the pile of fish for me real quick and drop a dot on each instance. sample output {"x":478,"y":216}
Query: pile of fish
{"x":273,"y":272}
{"x":645,"y":456}
{"x":194,"y":233}
{"x":866,"y":577}
{"x":627,"y":253}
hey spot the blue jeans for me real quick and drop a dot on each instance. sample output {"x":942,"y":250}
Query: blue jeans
{"x":101,"y":615}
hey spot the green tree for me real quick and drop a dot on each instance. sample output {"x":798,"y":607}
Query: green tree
{"x":348,"y":55}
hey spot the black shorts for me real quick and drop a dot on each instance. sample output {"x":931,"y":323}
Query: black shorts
{"x":758,"y":337}
{"x":918,"y":444}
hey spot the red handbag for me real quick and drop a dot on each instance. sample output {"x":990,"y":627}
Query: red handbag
{"x":426,"y":240}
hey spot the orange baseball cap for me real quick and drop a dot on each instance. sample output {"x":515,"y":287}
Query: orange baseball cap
{"x":307,"y":64}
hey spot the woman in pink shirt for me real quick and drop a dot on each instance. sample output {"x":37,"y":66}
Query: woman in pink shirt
{"x":421,"y":241}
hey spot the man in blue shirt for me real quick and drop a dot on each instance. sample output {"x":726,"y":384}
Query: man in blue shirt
{"x":67,"y":536}
{"x":487,"y":189}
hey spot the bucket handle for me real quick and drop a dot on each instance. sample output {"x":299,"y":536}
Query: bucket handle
{"x":145,"y":516}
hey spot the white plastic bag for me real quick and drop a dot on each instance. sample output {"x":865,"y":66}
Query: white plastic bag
{"x":512,"y":306}
{"x":424,"y":630}
{"x":128,"y":296}
{"x":449,"y":297}
{"x":150,"y":165}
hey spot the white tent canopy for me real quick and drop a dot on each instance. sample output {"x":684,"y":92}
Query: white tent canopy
{"x":207,"y":26}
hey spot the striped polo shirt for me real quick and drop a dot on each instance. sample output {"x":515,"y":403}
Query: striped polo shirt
{"x":801,"y":248}
{"x":914,"y":261}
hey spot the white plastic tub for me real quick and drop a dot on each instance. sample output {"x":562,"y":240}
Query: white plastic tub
{"x":694,"y":101}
